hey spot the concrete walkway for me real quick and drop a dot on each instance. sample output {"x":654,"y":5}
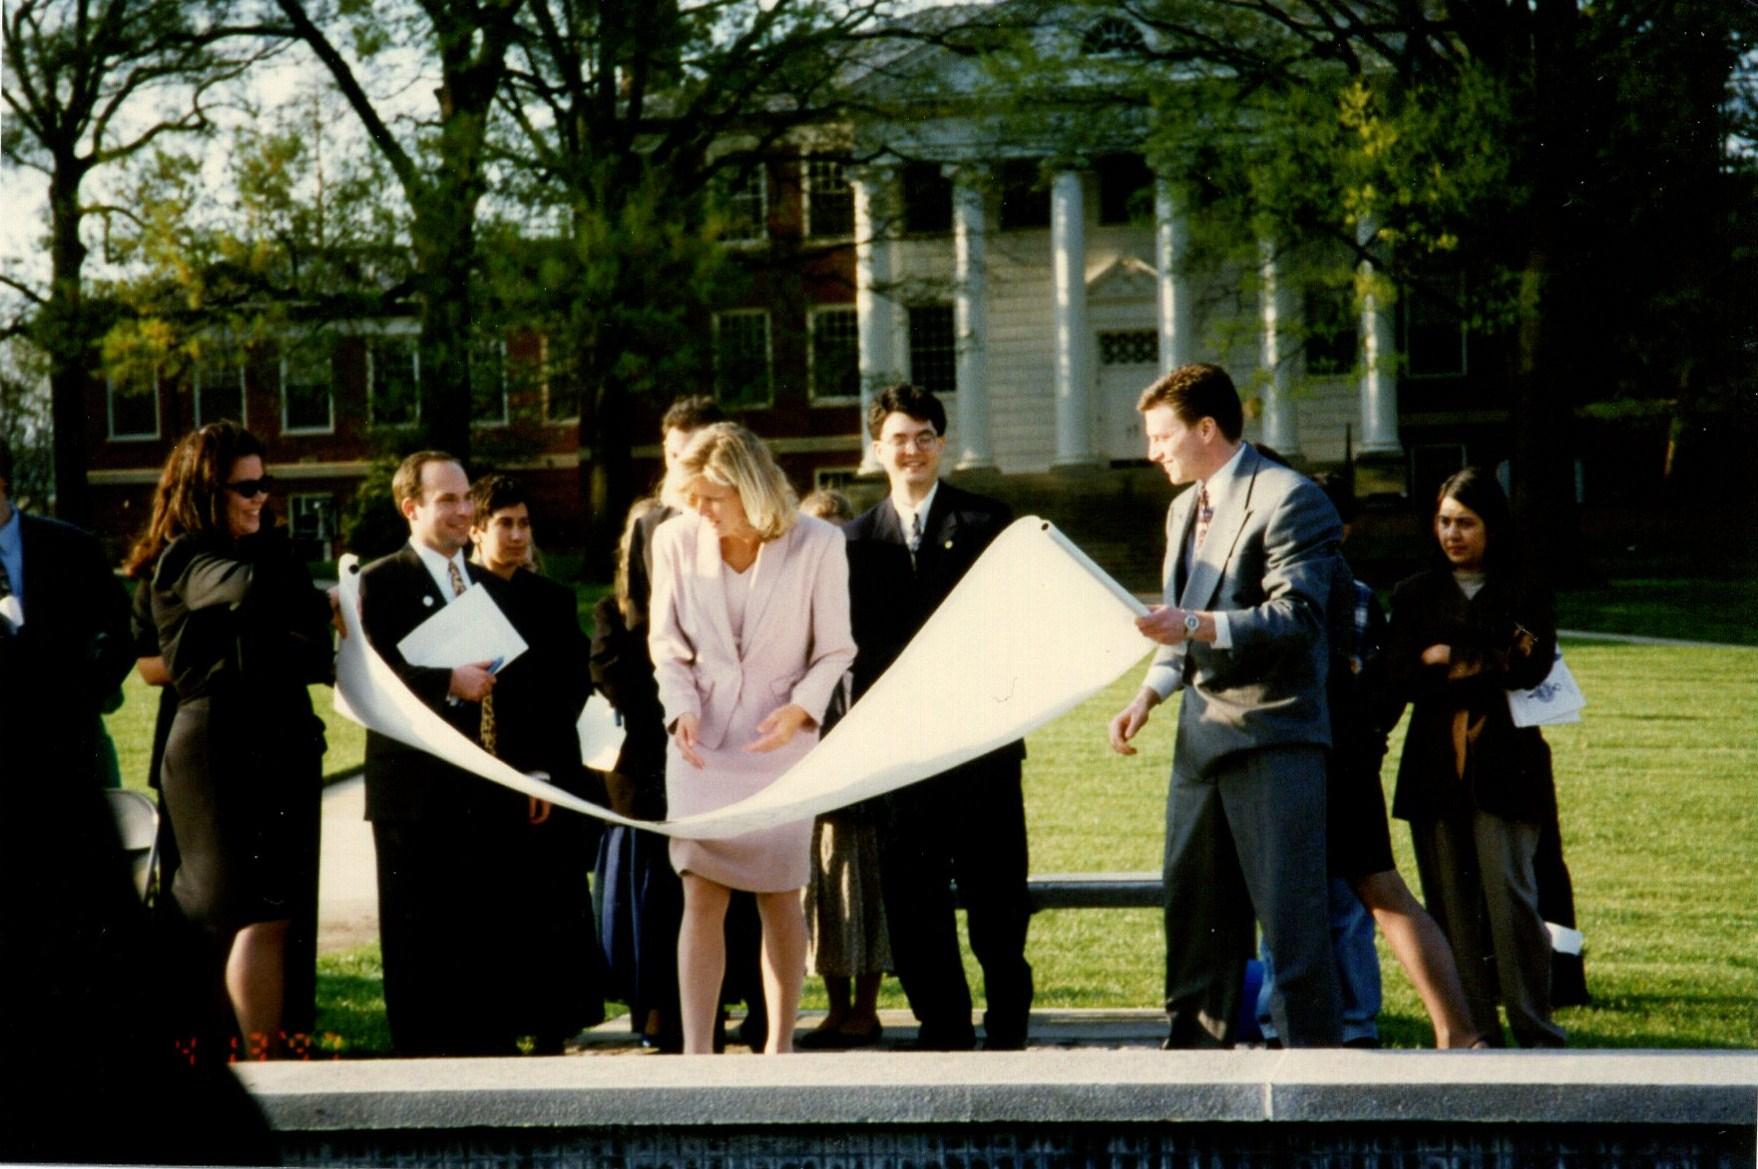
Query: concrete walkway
{"x":347,"y":881}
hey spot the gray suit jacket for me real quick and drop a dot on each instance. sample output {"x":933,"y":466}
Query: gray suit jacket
{"x":1267,"y":563}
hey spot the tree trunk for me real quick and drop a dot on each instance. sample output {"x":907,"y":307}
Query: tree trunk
{"x":66,"y":335}
{"x":445,"y":246}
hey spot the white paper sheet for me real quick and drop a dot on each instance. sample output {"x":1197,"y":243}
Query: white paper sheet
{"x":601,"y":733}
{"x":1033,"y":630}
{"x":1556,"y":700}
{"x":469,"y":630}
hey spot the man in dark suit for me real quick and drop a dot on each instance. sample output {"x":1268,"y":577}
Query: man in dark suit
{"x":1250,"y":552}
{"x":64,"y":634}
{"x":439,"y":832}
{"x":906,"y":554}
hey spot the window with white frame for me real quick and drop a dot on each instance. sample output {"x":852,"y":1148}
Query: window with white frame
{"x":488,"y":383}
{"x":933,"y":348}
{"x":307,"y":386}
{"x":133,"y":404}
{"x":561,"y":383}
{"x":834,"y":478}
{"x":313,"y":519}
{"x":1129,"y":347}
{"x":219,"y":386}
{"x":835,"y":373}
{"x":747,"y":205}
{"x":742,"y":358}
{"x":830,"y":199}
{"x":394,"y":395}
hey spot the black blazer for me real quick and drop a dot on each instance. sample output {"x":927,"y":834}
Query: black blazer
{"x":76,"y":628}
{"x":1507,"y":768}
{"x":539,"y":694}
{"x":397,"y":593}
{"x":889,"y":598}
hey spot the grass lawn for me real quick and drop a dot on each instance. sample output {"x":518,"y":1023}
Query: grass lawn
{"x":1659,"y":824}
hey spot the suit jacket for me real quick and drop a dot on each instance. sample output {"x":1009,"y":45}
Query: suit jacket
{"x":397,"y":593}
{"x":796,"y":643}
{"x":538,"y":696}
{"x":1268,"y":563}
{"x":890,"y":598}
{"x":1507,"y":768}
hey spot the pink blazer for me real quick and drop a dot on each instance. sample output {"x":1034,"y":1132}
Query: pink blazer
{"x":797,"y":642}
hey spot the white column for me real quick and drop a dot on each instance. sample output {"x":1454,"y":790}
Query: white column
{"x":875,"y":310}
{"x":1171,"y":247}
{"x":971,"y":319}
{"x":1379,"y":377}
{"x":1281,"y":426}
{"x":1073,"y":370}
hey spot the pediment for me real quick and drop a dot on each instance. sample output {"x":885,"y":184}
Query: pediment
{"x":1122,"y":278}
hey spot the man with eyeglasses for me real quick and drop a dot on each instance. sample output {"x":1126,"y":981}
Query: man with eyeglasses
{"x":906,"y":554}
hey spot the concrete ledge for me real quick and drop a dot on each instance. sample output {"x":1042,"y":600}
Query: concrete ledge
{"x":1714,"y":1089}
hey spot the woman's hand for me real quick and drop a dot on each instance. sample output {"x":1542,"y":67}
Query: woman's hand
{"x":683,"y":733}
{"x":1438,"y":655}
{"x":780,"y":727}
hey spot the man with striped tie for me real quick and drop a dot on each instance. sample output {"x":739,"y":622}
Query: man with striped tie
{"x":1249,"y":556}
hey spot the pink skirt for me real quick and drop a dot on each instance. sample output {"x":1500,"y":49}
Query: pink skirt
{"x":772,"y":860}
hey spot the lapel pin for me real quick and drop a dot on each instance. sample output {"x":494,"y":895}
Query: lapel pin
{"x":949,"y":543}
{"x":427,"y":599}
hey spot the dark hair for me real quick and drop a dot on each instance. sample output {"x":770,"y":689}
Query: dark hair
{"x":191,"y":493}
{"x":691,"y":413}
{"x":1478,"y":490}
{"x":6,"y":463}
{"x":492,"y":493}
{"x":406,"y":483}
{"x":1196,"y":392}
{"x":1338,"y":489}
{"x":827,"y":503}
{"x":904,"y":398}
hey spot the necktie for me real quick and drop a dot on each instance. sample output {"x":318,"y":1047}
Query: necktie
{"x":1204,"y":514}
{"x":915,"y":539}
{"x":487,"y":733}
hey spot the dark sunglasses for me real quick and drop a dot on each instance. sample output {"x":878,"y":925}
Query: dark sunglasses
{"x":251,"y":488}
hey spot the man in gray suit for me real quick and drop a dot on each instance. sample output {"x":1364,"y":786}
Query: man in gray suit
{"x":1249,"y":551}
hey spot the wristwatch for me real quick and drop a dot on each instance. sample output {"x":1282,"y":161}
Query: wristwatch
{"x":1191,"y":624}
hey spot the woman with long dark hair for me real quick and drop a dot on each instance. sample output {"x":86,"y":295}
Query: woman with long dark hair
{"x":243,"y":632}
{"x":1476,"y":789}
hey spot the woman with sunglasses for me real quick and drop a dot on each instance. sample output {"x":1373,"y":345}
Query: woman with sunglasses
{"x":243,"y":632}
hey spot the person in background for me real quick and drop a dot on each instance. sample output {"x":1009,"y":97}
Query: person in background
{"x":846,"y":939}
{"x":967,"y":825}
{"x":750,"y":637}
{"x":243,"y":633}
{"x":552,"y":957}
{"x":1477,"y":790}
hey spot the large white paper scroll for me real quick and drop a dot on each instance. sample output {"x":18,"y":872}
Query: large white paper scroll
{"x":1033,"y":630}
{"x":470,"y":629}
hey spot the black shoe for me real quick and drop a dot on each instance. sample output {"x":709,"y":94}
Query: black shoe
{"x":836,"y":1039}
{"x":1004,"y":1043}
{"x":1363,"y":1043}
{"x":927,"y":1040}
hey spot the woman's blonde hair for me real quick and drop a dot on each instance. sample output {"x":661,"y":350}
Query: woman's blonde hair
{"x":729,"y":455}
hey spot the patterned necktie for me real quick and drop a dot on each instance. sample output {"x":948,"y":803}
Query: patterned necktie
{"x":487,"y":732}
{"x":1204,"y":514}
{"x":915,"y":537}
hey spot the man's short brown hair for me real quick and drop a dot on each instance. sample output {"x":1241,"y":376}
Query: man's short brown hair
{"x":406,"y":483}
{"x":690,"y":414}
{"x":1195,"y":392}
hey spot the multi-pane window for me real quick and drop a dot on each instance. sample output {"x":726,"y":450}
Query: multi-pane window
{"x":394,"y":396}
{"x":1434,"y":329}
{"x":933,"y":348}
{"x":219,"y":386}
{"x":1129,"y":347}
{"x":747,"y":205}
{"x":1025,"y":201}
{"x":1332,"y":331}
{"x":830,"y":200}
{"x":836,"y":353}
{"x":1113,"y":36}
{"x":313,"y":520}
{"x":307,"y":386}
{"x":488,"y":383}
{"x":927,"y":198}
{"x":1126,"y":189}
{"x":741,"y":358}
{"x":134,"y":404}
{"x":561,"y":383}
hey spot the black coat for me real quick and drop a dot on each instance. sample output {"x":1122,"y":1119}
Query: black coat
{"x":1504,"y":638}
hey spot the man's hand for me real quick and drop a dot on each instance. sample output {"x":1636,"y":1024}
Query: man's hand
{"x":471,"y":683}
{"x":1438,"y":655}
{"x":1166,"y":626}
{"x":1132,"y":719}
{"x":341,"y":626}
{"x":683,"y":733}
{"x":781,"y":726}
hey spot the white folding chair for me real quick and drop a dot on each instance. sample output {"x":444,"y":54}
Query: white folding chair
{"x":137,"y":824}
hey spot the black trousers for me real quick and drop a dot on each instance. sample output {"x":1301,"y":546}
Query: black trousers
{"x":965,"y":825}
{"x":446,"y":912}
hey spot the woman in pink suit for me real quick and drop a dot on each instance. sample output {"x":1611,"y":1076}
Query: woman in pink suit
{"x":750,"y":634}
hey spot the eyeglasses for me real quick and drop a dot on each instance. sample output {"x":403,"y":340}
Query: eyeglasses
{"x":251,"y":488}
{"x":922,"y":440}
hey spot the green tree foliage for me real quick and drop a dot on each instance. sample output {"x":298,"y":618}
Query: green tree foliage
{"x":89,"y":83}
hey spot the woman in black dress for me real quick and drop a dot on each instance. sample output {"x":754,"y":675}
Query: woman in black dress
{"x":243,"y":632}
{"x":1476,"y":789}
